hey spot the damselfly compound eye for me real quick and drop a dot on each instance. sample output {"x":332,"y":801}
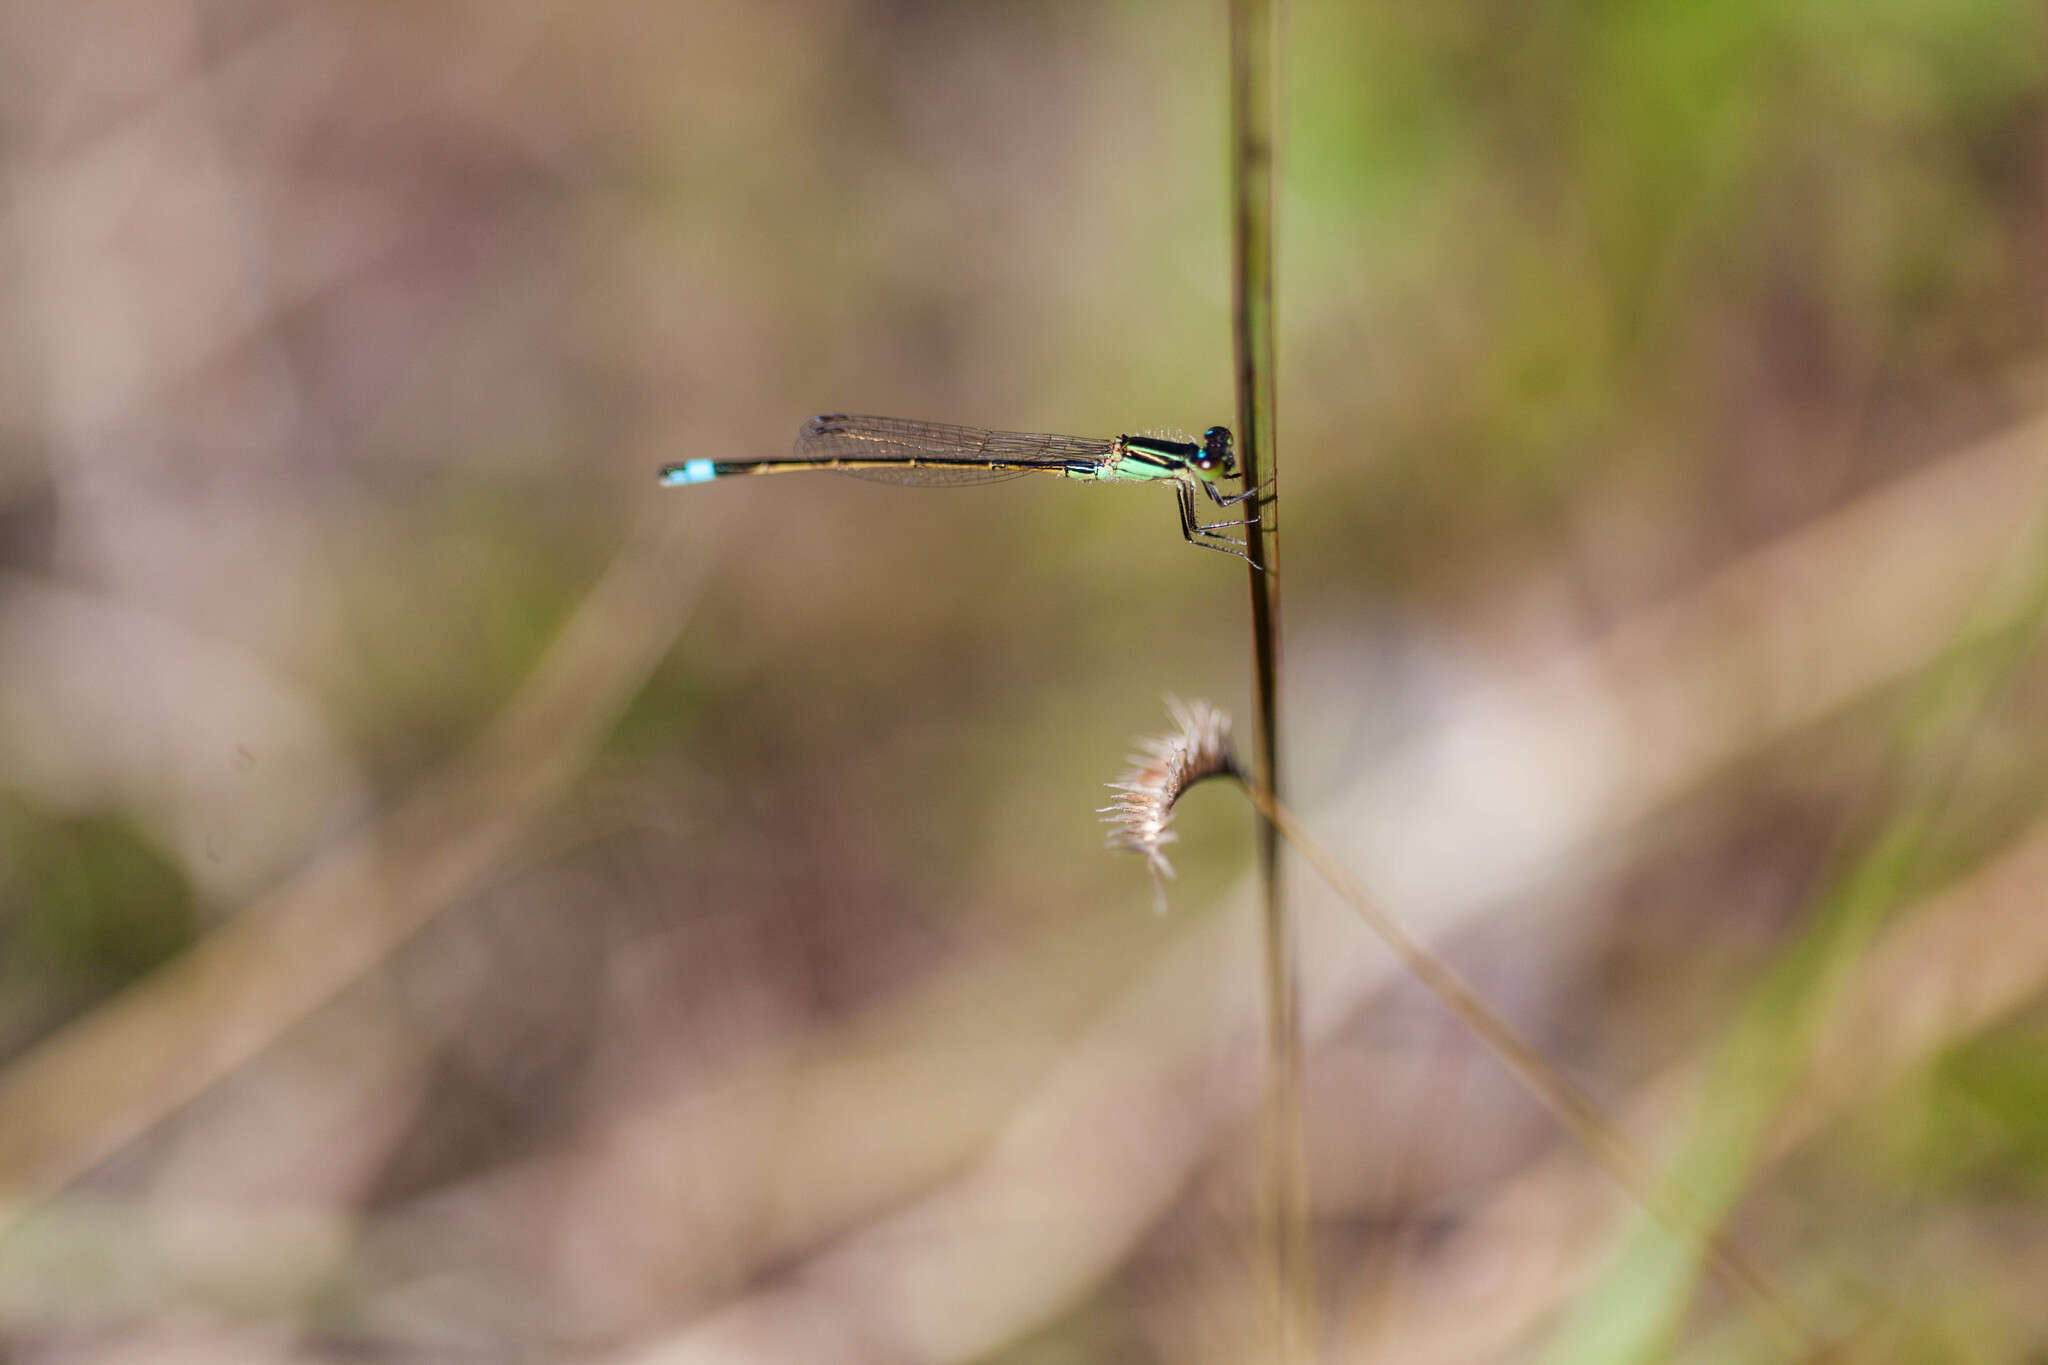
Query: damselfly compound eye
{"x":1219,"y":447}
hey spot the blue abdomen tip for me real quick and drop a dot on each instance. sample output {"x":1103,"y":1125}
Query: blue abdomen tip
{"x":690,"y":471}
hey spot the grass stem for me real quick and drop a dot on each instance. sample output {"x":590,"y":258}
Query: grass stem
{"x":1253,"y":54}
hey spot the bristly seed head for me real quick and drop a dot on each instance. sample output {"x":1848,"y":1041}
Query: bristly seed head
{"x":1160,"y":771}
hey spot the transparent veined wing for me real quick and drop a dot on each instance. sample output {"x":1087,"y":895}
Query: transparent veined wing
{"x":935,"y":453}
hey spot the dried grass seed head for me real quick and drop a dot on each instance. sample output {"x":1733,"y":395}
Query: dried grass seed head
{"x":1163,"y":768}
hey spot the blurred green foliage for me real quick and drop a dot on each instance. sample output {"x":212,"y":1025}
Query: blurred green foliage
{"x":1984,"y":1117}
{"x":87,"y":905}
{"x":1532,"y":248}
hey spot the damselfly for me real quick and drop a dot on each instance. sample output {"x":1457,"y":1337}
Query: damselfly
{"x":897,"y":451}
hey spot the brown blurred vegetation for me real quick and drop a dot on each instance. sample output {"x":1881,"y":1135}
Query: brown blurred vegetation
{"x":460,"y":901}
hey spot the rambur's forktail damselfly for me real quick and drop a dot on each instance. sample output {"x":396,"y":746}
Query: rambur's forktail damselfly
{"x":896,"y":451}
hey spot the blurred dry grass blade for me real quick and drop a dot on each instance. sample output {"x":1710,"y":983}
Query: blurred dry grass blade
{"x":1163,"y":768}
{"x":87,"y":1091}
{"x":1969,"y":957}
{"x":1766,"y":1046}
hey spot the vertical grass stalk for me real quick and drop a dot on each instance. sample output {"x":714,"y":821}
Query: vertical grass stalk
{"x":1284,"y":1202}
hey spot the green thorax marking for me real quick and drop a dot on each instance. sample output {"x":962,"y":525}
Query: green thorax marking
{"x":1149,"y":457}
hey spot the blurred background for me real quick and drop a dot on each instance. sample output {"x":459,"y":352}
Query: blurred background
{"x":460,"y":901}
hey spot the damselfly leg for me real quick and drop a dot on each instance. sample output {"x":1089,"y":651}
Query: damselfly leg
{"x":1264,"y":493}
{"x":1232,"y":500}
{"x":1194,"y":532}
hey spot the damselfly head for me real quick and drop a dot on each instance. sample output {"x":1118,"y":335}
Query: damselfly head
{"x":1218,"y":455}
